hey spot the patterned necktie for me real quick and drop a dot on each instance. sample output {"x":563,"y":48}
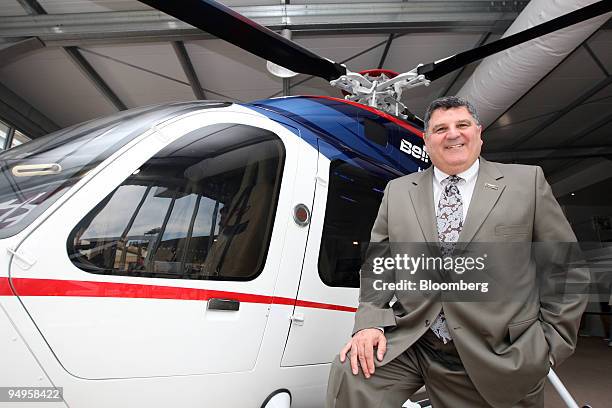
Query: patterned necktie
{"x":450,"y":223}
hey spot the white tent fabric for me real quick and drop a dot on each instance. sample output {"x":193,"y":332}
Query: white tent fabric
{"x":502,"y":79}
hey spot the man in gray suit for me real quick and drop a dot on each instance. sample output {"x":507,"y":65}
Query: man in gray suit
{"x":467,"y":353}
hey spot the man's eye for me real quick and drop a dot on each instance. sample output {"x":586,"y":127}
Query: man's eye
{"x":440,"y":130}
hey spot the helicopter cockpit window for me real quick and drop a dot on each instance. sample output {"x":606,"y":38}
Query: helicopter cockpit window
{"x":35,"y":174}
{"x":355,"y":192}
{"x":201,"y":208}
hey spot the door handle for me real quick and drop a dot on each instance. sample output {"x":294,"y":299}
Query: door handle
{"x":230,"y":305}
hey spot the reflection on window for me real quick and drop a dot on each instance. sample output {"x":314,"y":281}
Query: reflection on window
{"x":202,"y":208}
{"x":19,"y":138}
{"x":4,"y":129}
{"x":62,"y":158}
{"x":353,"y":200}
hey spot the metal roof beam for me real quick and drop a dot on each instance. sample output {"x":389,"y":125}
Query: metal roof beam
{"x":152,"y":25}
{"x":383,"y":58}
{"x":23,"y":116}
{"x":570,"y":107}
{"x":89,"y":71}
{"x":157,"y":74}
{"x":12,"y":51}
{"x":36,"y":11}
{"x":8,"y":140}
{"x":555,"y":153}
{"x":32,"y":7}
{"x":562,"y":151}
{"x":563,"y":171}
{"x":192,"y":77}
{"x":344,"y":61}
{"x":593,"y":127}
{"x":580,"y":175}
{"x":483,"y":39}
{"x":596,"y":59}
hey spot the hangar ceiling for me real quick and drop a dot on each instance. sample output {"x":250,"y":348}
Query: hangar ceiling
{"x":67,"y":61}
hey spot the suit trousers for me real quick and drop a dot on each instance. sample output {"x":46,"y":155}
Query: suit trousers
{"x":428,"y":362}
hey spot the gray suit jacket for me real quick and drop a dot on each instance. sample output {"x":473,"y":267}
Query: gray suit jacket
{"x":504,"y":345}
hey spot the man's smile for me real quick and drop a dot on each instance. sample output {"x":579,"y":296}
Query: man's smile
{"x":455,"y":146}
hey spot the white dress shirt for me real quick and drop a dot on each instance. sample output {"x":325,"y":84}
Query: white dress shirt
{"x":465,"y":185}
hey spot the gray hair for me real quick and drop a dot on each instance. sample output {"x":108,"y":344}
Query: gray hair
{"x":447,"y":102}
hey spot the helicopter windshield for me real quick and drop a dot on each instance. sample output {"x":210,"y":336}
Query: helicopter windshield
{"x":34,"y":175}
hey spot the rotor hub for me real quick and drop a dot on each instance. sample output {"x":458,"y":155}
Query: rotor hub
{"x":379,"y":88}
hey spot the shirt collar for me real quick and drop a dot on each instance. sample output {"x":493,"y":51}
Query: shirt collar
{"x":467,"y":175}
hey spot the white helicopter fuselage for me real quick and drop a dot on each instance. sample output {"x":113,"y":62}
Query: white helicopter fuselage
{"x":128,"y":340}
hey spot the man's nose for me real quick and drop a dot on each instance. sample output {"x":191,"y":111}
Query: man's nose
{"x":453,"y":132}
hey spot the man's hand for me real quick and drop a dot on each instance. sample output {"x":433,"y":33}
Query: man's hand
{"x":361,"y":347}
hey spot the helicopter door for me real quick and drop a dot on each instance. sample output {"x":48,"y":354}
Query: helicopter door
{"x":165,"y":262}
{"x":348,"y":193}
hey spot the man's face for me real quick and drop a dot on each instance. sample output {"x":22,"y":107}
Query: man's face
{"x":453,"y":139}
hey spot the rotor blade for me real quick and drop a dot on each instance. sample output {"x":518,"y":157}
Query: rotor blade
{"x":226,"y":24}
{"x":438,"y":69}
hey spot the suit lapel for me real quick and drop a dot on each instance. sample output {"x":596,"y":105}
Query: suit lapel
{"x":488,"y":188}
{"x":422,"y":201}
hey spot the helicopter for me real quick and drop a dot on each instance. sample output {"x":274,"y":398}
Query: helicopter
{"x":206,"y":253}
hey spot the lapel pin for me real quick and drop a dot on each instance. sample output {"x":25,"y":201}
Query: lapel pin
{"x":491,"y":186}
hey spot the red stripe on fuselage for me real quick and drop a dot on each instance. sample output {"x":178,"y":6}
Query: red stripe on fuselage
{"x":385,"y":115}
{"x":5,"y":288}
{"x":316,"y":305}
{"x":57,"y":287}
